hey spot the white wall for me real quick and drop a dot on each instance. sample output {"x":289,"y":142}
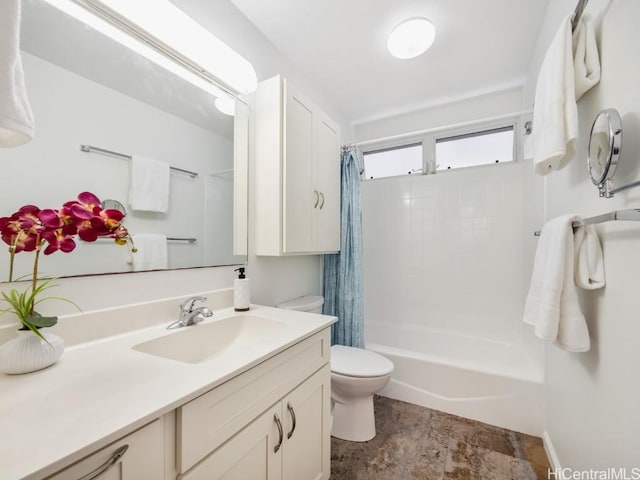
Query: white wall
{"x":463,"y":110}
{"x":592,"y":415}
{"x":445,"y":251}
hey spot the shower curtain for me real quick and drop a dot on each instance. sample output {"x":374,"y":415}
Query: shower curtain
{"x":343,"y":271}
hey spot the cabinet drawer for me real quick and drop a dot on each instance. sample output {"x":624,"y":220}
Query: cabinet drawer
{"x":206,"y":422}
{"x":144,"y":458}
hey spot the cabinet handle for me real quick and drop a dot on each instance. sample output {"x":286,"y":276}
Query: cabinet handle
{"x":315,"y":192}
{"x":322,"y":204}
{"x":293,"y":419}
{"x":280,"y":434}
{"x":117,"y":455}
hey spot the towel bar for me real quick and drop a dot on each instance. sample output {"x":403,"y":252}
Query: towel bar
{"x":102,"y":151}
{"x":628,"y":215}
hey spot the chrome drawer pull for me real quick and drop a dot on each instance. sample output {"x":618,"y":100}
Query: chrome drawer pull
{"x":315,"y":192}
{"x":117,"y":455}
{"x":322,"y":204}
{"x":280,"y":434}
{"x":293,"y":419}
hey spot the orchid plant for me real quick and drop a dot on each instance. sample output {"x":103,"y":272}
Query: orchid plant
{"x":47,"y":231}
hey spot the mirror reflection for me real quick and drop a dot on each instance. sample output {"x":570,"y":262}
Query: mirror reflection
{"x":85,"y":89}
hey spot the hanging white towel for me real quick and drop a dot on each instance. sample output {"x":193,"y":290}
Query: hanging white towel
{"x":16,"y":119}
{"x":149,"y":190}
{"x":586,"y":61}
{"x":151,"y":252}
{"x":570,"y":68}
{"x":589,"y":261}
{"x":552,"y":303}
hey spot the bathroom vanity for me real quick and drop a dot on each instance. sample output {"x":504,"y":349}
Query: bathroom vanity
{"x":251,"y":401}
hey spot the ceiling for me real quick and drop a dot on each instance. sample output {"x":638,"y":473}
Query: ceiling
{"x":480,"y":46}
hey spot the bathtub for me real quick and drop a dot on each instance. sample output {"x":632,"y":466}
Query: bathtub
{"x":488,"y":381}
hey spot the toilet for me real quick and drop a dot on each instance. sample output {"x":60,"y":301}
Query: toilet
{"x":356,"y":374}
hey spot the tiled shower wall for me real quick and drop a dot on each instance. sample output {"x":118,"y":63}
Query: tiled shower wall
{"x":450,"y":251}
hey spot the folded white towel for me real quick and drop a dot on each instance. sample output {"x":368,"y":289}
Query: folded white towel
{"x":16,"y":119}
{"x":552,"y":303}
{"x":150,"y":180}
{"x":589,"y":261}
{"x":151,"y":252}
{"x":570,"y":68}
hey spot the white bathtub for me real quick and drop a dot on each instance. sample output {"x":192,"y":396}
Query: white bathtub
{"x":492,"y":382}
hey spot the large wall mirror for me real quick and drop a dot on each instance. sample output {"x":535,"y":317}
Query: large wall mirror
{"x":86,"y":89}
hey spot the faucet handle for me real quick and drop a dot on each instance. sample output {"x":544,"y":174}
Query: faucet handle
{"x":187,"y":306}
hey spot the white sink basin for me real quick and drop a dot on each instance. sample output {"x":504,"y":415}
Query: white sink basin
{"x":198,"y":343}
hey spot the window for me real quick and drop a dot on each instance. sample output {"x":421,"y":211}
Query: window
{"x":440,"y":149}
{"x":476,"y":148}
{"x":394,"y":161}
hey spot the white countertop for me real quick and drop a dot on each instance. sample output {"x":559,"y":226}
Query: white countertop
{"x":99,"y":391}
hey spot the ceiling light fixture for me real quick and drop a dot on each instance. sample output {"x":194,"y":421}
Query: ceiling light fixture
{"x":411,"y":38}
{"x":164,"y":34}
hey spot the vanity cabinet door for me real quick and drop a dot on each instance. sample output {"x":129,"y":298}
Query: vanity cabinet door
{"x":307,"y":441}
{"x":142,"y":459}
{"x":255,"y":453}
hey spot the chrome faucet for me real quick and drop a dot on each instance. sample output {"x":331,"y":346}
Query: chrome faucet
{"x":189,"y":315}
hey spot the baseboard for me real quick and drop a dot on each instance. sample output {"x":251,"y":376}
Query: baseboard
{"x":551,"y":452}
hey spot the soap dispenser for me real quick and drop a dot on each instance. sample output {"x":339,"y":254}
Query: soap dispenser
{"x":241,"y":291}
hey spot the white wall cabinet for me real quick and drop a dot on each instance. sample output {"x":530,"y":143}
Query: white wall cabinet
{"x":297,"y":173}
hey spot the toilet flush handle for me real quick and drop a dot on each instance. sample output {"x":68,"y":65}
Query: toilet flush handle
{"x":293,"y":419}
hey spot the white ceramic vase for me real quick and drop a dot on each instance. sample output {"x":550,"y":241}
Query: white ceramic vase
{"x":28,"y":353}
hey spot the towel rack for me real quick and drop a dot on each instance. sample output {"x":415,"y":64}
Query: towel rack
{"x":628,"y":215}
{"x":169,"y":239}
{"x":222,"y":172}
{"x":102,"y":151}
{"x":578,"y":13}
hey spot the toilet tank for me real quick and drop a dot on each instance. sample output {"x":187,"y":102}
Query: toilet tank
{"x":308,"y":303}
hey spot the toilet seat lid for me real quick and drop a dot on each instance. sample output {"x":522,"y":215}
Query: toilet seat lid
{"x":357,"y":362}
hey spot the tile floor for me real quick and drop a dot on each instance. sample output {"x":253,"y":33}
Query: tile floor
{"x":419,"y":443}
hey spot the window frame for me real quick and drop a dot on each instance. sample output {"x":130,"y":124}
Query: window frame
{"x":429,"y":139}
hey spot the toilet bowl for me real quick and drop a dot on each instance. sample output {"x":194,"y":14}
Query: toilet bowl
{"x":356,"y":374}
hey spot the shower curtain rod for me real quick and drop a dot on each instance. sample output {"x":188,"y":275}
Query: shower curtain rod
{"x":438,"y":129}
{"x":578,"y":13}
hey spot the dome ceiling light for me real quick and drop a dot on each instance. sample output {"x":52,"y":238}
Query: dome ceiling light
{"x":411,"y":38}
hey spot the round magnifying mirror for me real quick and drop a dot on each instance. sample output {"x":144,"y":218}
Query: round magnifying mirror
{"x":605,"y":143}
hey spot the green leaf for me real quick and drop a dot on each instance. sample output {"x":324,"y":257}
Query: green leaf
{"x":39,"y":321}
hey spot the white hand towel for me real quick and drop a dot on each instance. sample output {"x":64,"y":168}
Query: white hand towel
{"x":552,"y":303}
{"x":555,"y":114}
{"x":570,"y":68}
{"x":586,"y":61}
{"x":16,"y":119}
{"x":149,"y":190}
{"x":151,"y":252}
{"x":589,"y":261}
